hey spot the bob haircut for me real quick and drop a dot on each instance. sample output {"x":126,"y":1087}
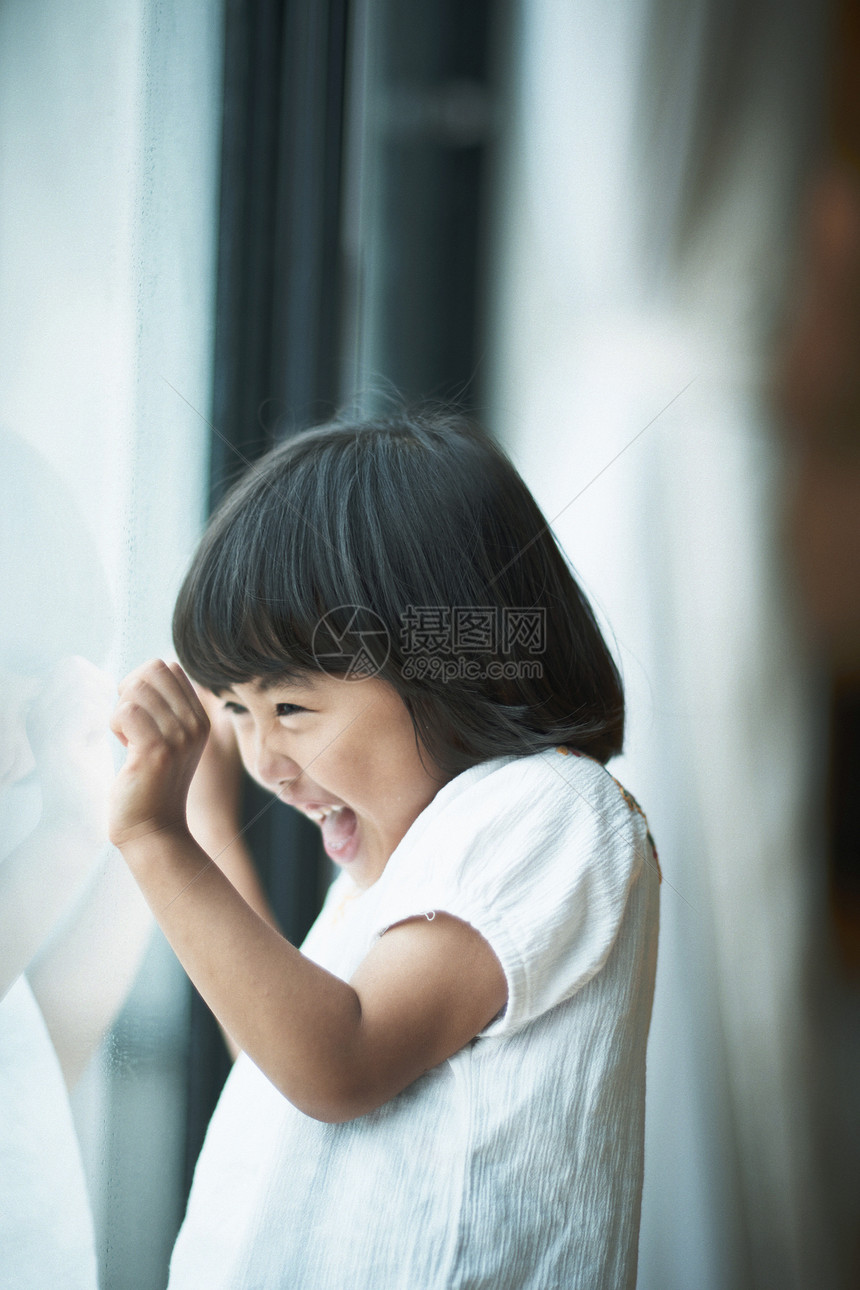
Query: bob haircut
{"x":408,"y":548}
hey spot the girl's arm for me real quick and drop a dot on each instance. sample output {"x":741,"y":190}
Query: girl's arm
{"x":214,"y":808}
{"x":214,"y":816}
{"x":336,"y":1050}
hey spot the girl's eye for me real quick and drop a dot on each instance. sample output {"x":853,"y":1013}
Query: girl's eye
{"x":288,"y":709}
{"x":235,"y":708}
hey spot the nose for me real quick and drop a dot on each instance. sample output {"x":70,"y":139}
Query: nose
{"x":272,"y":767}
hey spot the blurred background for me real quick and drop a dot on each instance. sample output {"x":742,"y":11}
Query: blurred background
{"x":626,"y":235}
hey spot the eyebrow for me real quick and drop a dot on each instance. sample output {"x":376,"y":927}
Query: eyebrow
{"x":268,"y":683}
{"x":293,"y":683}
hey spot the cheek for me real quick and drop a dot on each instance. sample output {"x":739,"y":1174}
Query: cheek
{"x":386,"y":778}
{"x":244,"y":742}
{"x":346,"y":768}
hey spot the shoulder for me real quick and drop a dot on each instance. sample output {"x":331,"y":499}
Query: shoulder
{"x":554,"y":802}
{"x":514,"y":812}
{"x":538,"y":780}
{"x":598,"y":791}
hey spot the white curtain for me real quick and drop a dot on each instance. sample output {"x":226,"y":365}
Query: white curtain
{"x":109,"y":127}
{"x":647,"y":205}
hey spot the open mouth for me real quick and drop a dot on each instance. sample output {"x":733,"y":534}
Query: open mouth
{"x":320,"y":813}
{"x":339,"y":825}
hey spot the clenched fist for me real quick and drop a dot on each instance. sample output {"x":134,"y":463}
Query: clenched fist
{"x":164,"y":726}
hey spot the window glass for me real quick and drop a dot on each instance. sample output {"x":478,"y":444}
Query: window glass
{"x":109,"y":126}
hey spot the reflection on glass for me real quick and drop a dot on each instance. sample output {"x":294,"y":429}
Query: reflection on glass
{"x":55,"y":769}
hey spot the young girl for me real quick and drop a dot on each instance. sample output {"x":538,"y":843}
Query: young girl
{"x":445,"y":1086}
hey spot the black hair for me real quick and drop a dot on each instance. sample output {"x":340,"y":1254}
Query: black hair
{"x":409,"y":548}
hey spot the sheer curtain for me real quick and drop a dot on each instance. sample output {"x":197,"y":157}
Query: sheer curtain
{"x":109,"y":126}
{"x":646,"y":214}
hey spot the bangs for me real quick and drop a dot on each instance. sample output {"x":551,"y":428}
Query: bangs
{"x":226,"y":640}
{"x":273,"y":591}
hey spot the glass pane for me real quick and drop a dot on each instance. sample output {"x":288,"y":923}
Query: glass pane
{"x":109,"y":120}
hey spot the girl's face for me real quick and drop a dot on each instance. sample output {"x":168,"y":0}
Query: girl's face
{"x":344,"y":753}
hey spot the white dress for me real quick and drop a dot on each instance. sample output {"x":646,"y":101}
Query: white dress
{"x":516,"y":1163}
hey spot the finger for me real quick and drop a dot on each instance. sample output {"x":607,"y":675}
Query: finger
{"x":153,"y":670}
{"x":138,"y":674}
{"x":133,"y":725}
{"x":189,"y":688}
{"x":170,"y":712}
{"x":156,"y":677}
{"x":181,"y":689}
{"x":116,"y":728}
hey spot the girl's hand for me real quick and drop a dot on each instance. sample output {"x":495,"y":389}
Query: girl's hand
{"x":164,"y":726}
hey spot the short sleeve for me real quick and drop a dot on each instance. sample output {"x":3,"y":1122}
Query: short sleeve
{"x":539,"y":856}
